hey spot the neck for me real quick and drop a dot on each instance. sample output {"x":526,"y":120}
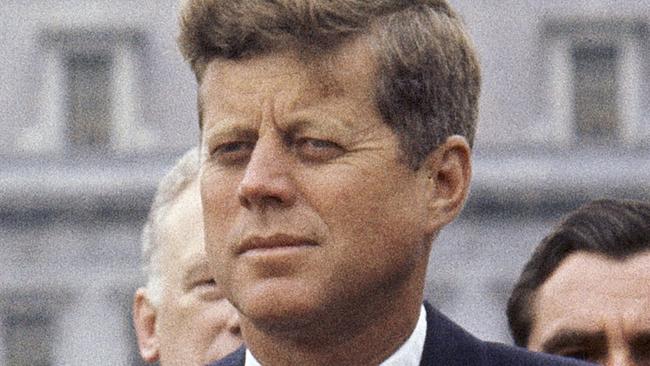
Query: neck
{"x":362,"y":333}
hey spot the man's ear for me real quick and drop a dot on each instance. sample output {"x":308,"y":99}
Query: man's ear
{"x":144,"y":321}
{"x":448,"y":170}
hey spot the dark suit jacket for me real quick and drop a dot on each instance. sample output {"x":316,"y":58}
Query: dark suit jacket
{"x":447,"y":344}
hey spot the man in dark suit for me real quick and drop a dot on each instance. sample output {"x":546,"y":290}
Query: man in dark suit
{"x":585,"y":293}
{"x":335,"y":146}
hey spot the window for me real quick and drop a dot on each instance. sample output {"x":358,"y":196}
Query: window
{"x":88,"y":100}
{"x":28,"y":327}
{"x":594,"y":75}
{"x":594,"y":88}
{"x":27,"y":339}
{"x":91,"y":93}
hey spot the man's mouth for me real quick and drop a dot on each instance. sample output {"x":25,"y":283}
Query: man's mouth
{"x":274,"y":243}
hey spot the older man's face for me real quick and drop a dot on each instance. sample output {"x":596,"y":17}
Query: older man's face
{"x":307,"y":205}
{"x":597,"y":309}
{"x":194,"y":323}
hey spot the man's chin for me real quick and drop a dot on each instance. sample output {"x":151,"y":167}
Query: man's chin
{"x":281,"y":313}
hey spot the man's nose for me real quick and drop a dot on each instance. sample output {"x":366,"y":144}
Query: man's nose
{"x":267,"y":181}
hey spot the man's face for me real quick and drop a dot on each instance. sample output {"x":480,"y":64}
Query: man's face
{"x":307,"y":206}
{"x":597,"y":309}
{"x":194,"y":323}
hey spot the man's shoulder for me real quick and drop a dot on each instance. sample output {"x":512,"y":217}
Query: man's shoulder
{"x":448,"y":344}
{"x":501,"y":354}
{"x":236,"y":358}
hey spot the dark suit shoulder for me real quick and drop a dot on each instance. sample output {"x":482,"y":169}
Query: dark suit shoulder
{"x":236,"y":358}
{"x":500,"y":354}
{"x":448,"y":344}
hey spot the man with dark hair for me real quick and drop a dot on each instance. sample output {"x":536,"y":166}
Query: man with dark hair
{"x":585,"y":293}
{"x":335,"y":146}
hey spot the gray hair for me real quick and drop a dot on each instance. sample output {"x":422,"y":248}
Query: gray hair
{"x":170,"y":187}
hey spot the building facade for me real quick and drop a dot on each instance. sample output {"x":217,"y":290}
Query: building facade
{"x":97,"y":104}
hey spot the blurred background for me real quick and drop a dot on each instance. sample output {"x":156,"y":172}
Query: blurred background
{"x":96,"y":104}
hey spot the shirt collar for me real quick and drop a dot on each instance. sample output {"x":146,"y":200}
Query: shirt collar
{"x":409,"y":353}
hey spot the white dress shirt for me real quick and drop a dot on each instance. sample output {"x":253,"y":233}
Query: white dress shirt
{"x":409,"y":353}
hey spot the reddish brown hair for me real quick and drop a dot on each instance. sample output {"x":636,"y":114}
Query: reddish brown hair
{"x":428,"y":77}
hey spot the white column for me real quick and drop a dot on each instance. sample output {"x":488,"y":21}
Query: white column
{"x":628,"y":94}
{"x":129,"y":131}
{"x":560,"y":93}
{"x":47,"y":135}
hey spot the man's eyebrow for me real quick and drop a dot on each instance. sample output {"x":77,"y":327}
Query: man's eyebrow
{"x":640,"y":345}
{"x":229,"y":130}
{"x":306,"y":120}
{"x":573,"y":337}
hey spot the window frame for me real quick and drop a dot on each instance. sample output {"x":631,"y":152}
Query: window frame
{"x":126,"y":48}
{"x":35,"y":302}
{"x":559,"y":38}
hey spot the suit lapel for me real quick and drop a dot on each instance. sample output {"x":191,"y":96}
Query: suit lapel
{"x":448,"y":344}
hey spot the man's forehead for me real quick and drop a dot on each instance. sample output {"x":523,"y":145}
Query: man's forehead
{"x":586,"y":271}
{"x":330,"y":73}
{"x":588,"y":292}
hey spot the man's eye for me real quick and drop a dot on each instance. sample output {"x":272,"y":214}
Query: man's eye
{"x":208,"y":282}
{"x":318,"y":150}
{"x":233,"y":152}
{"x":207,"y":290}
